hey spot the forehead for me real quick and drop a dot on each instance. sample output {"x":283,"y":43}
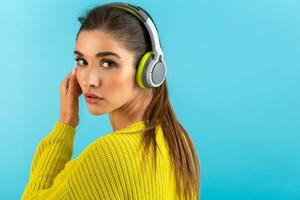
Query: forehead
{"x":91,"y":42}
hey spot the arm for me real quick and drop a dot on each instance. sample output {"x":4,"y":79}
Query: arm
{"x":94,"y":174}
{"x":52,"y":153}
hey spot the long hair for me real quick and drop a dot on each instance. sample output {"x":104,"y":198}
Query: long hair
{"x":133,"y":35}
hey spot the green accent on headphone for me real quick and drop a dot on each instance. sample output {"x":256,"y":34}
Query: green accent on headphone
{"x":128,"y":10}
{"x":139,"y":74}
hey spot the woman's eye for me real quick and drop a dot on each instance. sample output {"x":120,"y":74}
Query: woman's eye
{"x":79,"y":61}
{"x":107,"y":64}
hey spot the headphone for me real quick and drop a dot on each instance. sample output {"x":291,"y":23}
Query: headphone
{"x":152,"y":69}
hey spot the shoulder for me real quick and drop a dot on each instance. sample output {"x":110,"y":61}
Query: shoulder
{"x":117,"y":141}
{"x":113,"y":147}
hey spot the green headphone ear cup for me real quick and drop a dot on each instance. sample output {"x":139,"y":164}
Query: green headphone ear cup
{"x":141,"y":68}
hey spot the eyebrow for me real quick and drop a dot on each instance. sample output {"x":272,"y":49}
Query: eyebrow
{"x":99,"y":54}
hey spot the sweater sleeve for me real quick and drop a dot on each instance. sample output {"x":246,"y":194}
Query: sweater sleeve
{"x":50,"y":157}
{"x":92,"y":175}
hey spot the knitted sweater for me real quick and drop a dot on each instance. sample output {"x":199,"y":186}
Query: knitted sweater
{"x":111,"y":167}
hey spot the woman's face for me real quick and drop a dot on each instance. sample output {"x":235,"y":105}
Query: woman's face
{"x":110,"y":75}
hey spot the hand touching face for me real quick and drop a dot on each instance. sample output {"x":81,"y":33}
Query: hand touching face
{"x":69,"y":94}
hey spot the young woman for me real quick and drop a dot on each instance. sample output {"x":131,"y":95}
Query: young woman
{"x":149,"y":155}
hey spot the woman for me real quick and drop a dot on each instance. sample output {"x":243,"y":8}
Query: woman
{"x":149,"y":154}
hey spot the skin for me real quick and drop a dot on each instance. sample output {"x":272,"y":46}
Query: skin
{"x":107,"y":76}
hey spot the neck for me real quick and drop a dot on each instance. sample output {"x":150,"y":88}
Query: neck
{"x":129,"y":113}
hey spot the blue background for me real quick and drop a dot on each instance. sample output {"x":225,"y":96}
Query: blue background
{"x":233,"y":76}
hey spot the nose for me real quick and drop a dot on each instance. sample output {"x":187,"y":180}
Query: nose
{"x":92,"y":78}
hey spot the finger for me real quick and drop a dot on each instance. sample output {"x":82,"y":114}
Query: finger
{"x":68,"y":78}
{"x":65,"y":84}
{"x":72,"y":81}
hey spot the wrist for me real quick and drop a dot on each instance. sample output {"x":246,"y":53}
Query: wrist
{"x":68,"y":123}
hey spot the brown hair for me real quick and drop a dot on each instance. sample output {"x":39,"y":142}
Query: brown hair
{"x":133,"y":35}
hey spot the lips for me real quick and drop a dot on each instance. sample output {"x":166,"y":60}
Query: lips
{"x":92,"y":95}
{"x":92,"y":100}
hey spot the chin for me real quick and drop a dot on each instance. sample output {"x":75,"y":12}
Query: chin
{"x":95,"y":111}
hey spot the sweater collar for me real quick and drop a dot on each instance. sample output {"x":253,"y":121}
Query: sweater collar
{"x":136,"y":126}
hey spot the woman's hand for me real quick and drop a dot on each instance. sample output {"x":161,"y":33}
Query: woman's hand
{"x":69,"y":94}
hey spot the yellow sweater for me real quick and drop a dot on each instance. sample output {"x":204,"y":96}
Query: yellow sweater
{"x":109,"y":168}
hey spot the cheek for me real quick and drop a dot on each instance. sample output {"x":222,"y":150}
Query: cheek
{"x":118,"y":88}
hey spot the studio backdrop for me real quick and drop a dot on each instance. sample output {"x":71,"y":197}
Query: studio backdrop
{"x":233,"y":77}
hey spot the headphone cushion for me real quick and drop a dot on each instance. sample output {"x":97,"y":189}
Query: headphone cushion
{"x":142,"y":69}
